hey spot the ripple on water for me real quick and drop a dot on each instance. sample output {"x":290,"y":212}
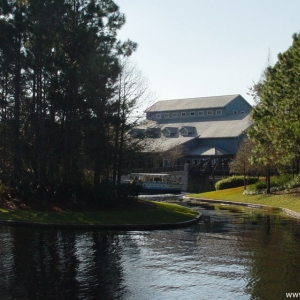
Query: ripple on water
{"x":226,"y":258}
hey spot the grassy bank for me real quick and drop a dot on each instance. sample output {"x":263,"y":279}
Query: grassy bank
{"x":286,"y":200}
{"x":156,"y":213}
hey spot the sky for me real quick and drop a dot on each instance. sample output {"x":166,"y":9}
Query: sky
{"x":200,"y":48}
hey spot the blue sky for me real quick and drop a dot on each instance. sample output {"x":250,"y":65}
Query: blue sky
{"x":198,"y":48}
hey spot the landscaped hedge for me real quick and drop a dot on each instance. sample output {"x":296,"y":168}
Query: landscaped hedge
{"x":233,"y":181}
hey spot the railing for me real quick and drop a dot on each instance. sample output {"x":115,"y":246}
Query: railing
{"x":206,"y":166}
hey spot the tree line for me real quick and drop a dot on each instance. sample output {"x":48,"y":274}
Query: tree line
{"x":65,"y":96}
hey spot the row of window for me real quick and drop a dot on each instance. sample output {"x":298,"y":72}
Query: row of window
{"x":192,"y":114}
{"x":184,"y":114}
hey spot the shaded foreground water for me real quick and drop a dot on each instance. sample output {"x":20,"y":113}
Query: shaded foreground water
{"x":235,"y":254}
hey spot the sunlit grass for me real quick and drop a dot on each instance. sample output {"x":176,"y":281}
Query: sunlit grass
{"x":289,"y":201}
{"x":159,"y":213}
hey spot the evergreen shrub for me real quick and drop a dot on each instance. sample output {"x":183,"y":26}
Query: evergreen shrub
{"x":233,"y":181}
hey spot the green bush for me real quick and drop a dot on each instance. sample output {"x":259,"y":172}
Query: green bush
{"x":277,"y":183}
{"x":258,"y":186}
{"x":4,"y":192}
{"x":293,"y":183}
{"x":282,"y":180}
{"x":233,"y":181}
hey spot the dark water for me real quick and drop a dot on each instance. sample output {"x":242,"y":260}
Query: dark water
{"x":238,"y":254}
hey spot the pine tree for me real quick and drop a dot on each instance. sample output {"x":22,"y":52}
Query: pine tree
{"x":276,"y":129}
{"x":59,"y":64}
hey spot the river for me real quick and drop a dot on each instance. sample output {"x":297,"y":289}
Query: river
{"x":233,"y":253}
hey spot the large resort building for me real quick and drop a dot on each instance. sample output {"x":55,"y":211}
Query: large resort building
{"x":208,"y":130}
{"x":206,"y":126}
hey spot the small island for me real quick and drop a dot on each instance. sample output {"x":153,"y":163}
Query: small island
{"x":138,"y":214}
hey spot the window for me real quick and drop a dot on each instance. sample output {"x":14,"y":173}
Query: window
{"x":235,"y":112}
{"x":174,"y":115}
{"x":158,"y":116}
{"x":192,"y":113}
{"x":209,"y":112}
{"x":242,"y":112}
{"x":201,"y":113}
{"x":183,"y":114}
{"x":166,"y":115}
{"x":218,"y":112}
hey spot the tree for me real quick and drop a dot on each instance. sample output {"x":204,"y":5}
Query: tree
{"x":261,"y":133}
{"x":276,"y":129}
{"x":59,"y":67}
{"x":12,"y":54}
{"x":286,"y":89}
{"x":256,"y":88}
{"x":132,"y":91}
{"x":174,"y":154}
{"x":241,"y":164}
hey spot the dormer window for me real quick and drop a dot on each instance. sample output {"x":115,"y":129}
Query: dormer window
{"x":235,"y":112}
{"x":242,"y":112}
{"x":166,"y":115}
{"x":201,"y":113}
{"x":187,"y":130}
{"x":158,"y":116}
{"x":153,"y":132}
{"x":137,"y":133}
{"x":209,"y":112}
{"x":183,"y":114}
{"x":174,"y":115}
{"x":218,"y":112}
{"x":169,"y":131}
{"x":192,"y":113}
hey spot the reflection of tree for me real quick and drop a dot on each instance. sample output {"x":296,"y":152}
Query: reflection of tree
{"x":50,"y":264}
{"x":6,"y":262}
{"x":273,"y":263}
{"x":45,"y":265}
{"x":108,"y":269}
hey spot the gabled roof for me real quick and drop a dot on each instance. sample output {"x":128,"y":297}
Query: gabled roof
{"x":170,"y":130}
{"x":188,"y":129}
{"x":210,"y":127}
{"x":137,"y":132}
{"x":192,"y":103}
{"x":166,"y":143}
{"x":227,"y":126}
{"x":206,"y":151}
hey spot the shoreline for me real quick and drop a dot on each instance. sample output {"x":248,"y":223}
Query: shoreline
{"x":113,"y":227}
{"x":284,"y":210}
{"x":142,"y":215}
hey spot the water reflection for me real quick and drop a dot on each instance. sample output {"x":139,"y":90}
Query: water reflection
{"x":237,"y":254}
{"x":47,"y":264}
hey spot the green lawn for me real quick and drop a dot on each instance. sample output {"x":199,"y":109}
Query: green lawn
{"x":161,"y":213}
{"x":289,"y":201}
